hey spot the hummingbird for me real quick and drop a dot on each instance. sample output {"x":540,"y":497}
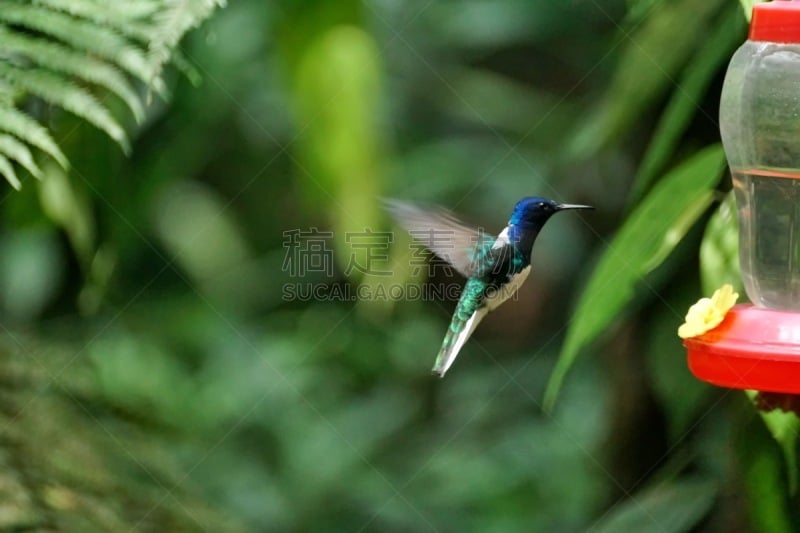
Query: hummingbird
{"x":495,"y":267}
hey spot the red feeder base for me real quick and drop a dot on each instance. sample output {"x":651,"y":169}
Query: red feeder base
{"x":753,"y":348}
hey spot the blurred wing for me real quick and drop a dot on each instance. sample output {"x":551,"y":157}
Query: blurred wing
{"x":442,"y":233}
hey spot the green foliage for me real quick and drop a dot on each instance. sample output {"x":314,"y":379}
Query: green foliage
{"x":171,"y":22}
{"x":719,"y":249}
{"x":648,"y":236}
{"x":673,"y":508}
{"x":747,"y":6}
{"x":154,"y":288}
{"x":31,"y":274}
{"x":64,"y":204}
{"x":650,"y":61}
{"x":785,"y":428}
{"x":765,"y":483}
{"x":28,"y":131}
{"x":336,"y":85}
{"x":67,"y":466}
{"x":43,"y":55}
{"x":682,"y":106}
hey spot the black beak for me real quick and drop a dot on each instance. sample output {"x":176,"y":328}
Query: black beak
{"x":563,"y":207}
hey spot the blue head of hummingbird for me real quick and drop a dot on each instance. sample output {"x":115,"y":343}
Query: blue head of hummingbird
{"x":495,"y":267}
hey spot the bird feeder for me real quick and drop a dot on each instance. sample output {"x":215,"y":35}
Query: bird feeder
{"x":757,"y":346}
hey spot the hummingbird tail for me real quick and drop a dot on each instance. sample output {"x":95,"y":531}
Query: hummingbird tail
{"x":457,"y":334}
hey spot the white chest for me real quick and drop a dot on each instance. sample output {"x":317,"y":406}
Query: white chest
{"x":507,"y":291}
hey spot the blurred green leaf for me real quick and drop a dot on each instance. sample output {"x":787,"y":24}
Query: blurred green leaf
{"x":500,"y":102}
{"x":646,"y":69}
{"x":719,"y":250}
{"x":784,"y":428}
{"x":30,"y":272}
{"x":481,"y":24}
{"x":765,"y":487}
{"x":669,"y":508}
{"x":341,"y":161}
{"x":198,"y":230}
{"x":747,"y":6}
{"x":67,"y":206}
{"x":680,"y":394}
{"x":686,"y":98}
{"x":638,"y":9}
{"x":647,"y":237}
{"x":98,"y":276}
{"x":134,"y":374}
{"x":336,"y":92}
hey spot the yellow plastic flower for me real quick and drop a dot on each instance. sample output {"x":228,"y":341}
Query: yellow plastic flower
{"x":707,"y":313}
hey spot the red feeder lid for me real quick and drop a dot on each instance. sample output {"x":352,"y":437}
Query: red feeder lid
{"x":776,"y":22}
{"x":753,"y":348}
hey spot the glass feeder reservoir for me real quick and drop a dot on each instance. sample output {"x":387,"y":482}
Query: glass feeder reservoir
{"x":760,"y":127}
{"x":758,"y":346}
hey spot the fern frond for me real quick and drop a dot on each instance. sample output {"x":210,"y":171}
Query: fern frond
{"x":26,"y":129}
{"x":132,"y":19}
{"x":7,"y":170}
{"x":81,"y":34}
{"x":8,"y":94}
{"x":115,"y":14}
{"x":59,"y":58}
{"x":175,"y":19}
{"x":60,"y":51}
{"x":59,"y":91}
{"x":19,"y":152}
